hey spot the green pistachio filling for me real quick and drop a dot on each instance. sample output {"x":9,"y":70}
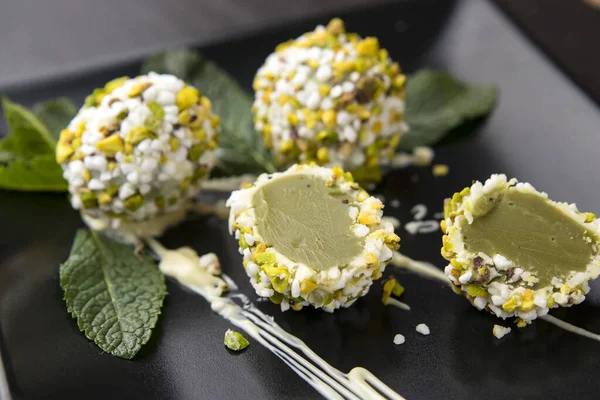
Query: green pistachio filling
{"x":532,"y":233}
{"x":307,"y":221}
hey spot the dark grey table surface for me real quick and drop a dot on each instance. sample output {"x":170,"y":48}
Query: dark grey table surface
{"x":544,"y":131}
{"x":567,"y":31}
{"x":40,"y":39}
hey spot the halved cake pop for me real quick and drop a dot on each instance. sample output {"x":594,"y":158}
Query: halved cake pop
{"x":515,"y":252}
{"x":311,"y":236}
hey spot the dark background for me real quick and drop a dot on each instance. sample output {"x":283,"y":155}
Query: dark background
{"x":544,"y":131}
{"x":43,"y":39}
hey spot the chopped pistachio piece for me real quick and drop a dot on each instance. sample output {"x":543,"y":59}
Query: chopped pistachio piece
{"x":277,"y":298}
{"x":439,"y":170}
{"x":398,"y":290}
{"x":195,"y":152}
{"x":138,"y":134}
{"x":368,"y":46}
{"x":154,"y":121}
{"x":307,"y":286}
{"x":205,"y":103}
{"x":174,"y":143}
{"x":184,"y":117}
{"x":76,"y":143}
{"x":391,"y":287}
{"x":111,"y":86}
{"x":388,"y":286}
{"x":278,"y":276}
{"x":264,"y":258}
{"x":139,"y":88}
{"x":111,"y":145}
{"x":235,"y":341}
{"x":156,"y":109}
{"x":95,"y":98}
{"x":112,"y":189}
{"x":63,"y":152}
{"x":89,"y":199}
{"x":328,"y":137}
{"x":187,"y":97}
{"x":66,"y":136}
{"x":122,"y":115}
{"x":335,"y":26}
{"x":104,"y":198}
{"x":134,"y":202}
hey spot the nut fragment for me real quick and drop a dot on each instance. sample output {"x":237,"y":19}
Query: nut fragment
{"x":235,"y":341}
{"x":391,"y":287}
{"x":138,"y":134}
{"x":439,"y":170}
{"x":187,"y":97}
{"x":500,"y":331}
{"x":111,"y":145}
{"x":139,"y":88}
{"x":63,"y":152}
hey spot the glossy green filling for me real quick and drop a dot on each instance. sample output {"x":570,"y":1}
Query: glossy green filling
{"x":306,"y":221}
{"x":532,"y":233}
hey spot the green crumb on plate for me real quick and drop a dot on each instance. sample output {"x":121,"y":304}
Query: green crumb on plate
{"x":398,"y":290}
{"x":440,"y":170}
{"x":235,"y":341}
{"x":391,"y":287}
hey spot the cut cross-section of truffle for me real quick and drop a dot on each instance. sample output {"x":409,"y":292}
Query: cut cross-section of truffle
{"x":515,"y":252}
{"x":332,"y":98}
{"x":311,"y":235}
{"x":138,"y":149}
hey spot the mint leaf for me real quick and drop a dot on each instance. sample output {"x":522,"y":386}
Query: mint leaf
{"x":184,"y":64}
{"x":40,"y":173}
{"x":115,"y":297}
{"x":27,"y":160}
{"x":55,"y":114}
{"x":6,"y":157}
{"x":27,"y":134}
{"x":240,"y":149}
{"x":437,"y":103}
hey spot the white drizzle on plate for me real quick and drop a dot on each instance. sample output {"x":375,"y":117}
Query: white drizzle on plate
{"x":419,"y":224}
{"x":185,"y":266}
{"x":431,"y":271}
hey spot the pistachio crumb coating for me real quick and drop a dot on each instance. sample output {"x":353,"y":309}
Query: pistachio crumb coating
{"x":138,"y":149}
{"x":332,"y":98}
{"x":516,"y":253}
{"x":311,"y":236}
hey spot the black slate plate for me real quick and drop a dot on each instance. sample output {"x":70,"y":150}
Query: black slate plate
{"x":544,"y":131}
